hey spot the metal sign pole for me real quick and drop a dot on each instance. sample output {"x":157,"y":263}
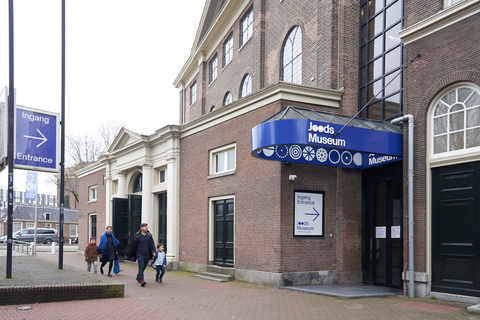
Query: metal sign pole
{"x":11,"y":101}
{"x":62,"y":152}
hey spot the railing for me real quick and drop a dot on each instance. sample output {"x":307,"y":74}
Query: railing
{"x":21,"y":246}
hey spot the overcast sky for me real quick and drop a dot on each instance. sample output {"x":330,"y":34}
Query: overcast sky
{"x":121,"y":60}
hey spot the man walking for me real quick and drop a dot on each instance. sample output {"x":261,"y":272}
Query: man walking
{"x":141,"y":248}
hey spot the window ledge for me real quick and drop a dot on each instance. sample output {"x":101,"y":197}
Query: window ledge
{"x":446,"y":17}
{"x":243,"y":45}
{"x":222,"y":174}
{"x":91,"y":201}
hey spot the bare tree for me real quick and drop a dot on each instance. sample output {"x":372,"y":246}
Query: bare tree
{"x":83,"y":150}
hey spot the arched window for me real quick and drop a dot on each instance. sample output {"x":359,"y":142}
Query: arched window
{"x":292,"y":57}
{"x":67,"y":202}
{"x":227,"y":99}
{"x":137,"y":185}
{"x":456,"y":120}
{"x":246,"y":86}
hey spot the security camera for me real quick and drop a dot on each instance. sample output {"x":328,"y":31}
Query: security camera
{"x":292,"y":177}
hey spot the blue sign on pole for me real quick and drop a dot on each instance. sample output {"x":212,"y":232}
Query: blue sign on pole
{"x":36,"y":140}
{"x":31,"y":185}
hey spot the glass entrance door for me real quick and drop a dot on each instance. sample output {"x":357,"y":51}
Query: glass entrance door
{"x":383,"y":228}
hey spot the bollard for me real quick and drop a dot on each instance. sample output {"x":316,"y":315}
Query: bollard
{"x":70,"y":241}
{"x":53,"y":247}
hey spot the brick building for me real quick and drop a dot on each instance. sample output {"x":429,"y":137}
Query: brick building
{"x":282,"y":81}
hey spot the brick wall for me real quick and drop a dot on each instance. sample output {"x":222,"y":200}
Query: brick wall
{"x":85,"y":208}
{"x":448,"y":56}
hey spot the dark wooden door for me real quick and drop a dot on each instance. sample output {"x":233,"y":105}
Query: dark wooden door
{"x":120,"y":223}
{"x":135,"y":209}
{"x":455,"y":229}
{"x":224,"y":233}
{"x":162,"y":220}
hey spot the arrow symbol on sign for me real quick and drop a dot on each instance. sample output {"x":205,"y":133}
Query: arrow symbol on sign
{"x":42,"y":138}
{"x":313,"y":214}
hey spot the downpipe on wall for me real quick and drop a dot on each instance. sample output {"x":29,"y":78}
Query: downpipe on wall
{"x":411,"y":270}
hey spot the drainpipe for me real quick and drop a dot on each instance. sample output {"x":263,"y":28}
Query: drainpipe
{"x":411,"y":273}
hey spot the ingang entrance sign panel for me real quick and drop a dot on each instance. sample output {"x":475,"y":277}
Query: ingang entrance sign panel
{"x":36,"y":140}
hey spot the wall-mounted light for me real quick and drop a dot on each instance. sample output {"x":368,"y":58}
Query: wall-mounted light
{"x":292,"y":177}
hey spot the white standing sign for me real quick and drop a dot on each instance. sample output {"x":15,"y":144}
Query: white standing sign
{"x":309,"y":214}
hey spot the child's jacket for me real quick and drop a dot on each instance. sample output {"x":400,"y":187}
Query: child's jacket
{"x":91,"y":252}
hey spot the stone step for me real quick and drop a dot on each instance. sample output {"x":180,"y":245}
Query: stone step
{"x":215,"y":276}
{"x":222,"y":270}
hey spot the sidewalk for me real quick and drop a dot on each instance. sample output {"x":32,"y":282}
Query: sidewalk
{"x":183,"y":296}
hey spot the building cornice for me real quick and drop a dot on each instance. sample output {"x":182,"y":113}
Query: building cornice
{"x":215,"y":34}
{"x":440,"y":20}
{"x":279,"y":91}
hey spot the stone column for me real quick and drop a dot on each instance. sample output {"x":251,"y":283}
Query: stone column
{"x":108,"y":200}
{"x":173,"y":228}
{"x":122,"y":185}
{"x":147,"y":198}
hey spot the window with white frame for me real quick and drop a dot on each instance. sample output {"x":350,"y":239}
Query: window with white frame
{"x":57,"y":226}
{"x":246,"y":86}
{"x":162,"y":176}
{"x":228,"y":98}
{"x":456,"y":120}
{"x":73,"y":230}
{"x":30,"y":225}
{"x":246,"y":27}
{"x":92,"y":193}
{"x":222,"y":159}
{"x":193,"y":93}
{"x":213,"y":69}
{"x":451,"y":2}
{"x":48,"y":225}
{"x":17,"y":226}
{"x":292,"y":57}
{"x":228,"y":50}
{"x":48,"y":216}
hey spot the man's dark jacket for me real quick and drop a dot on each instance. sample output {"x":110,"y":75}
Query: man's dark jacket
{"x":130,"y":252}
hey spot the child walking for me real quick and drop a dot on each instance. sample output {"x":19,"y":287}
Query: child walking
{"x":91,"y":254}
{"x":159,"y":263}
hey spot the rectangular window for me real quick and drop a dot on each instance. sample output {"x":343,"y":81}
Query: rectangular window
{"x":213,"y":69}
{"x":452,"y":2}
{"x":92,"y":193}
{"x":57,"y":226}
{"x":222,"y":160}
{"x":47,"y":216}
{"x":246,"y":25}
{"x":73,"y":230}
{"x":48,"y":225}
{"x":193,"y":93}
{"x":17,"y":226}
{"x":30,"y":225}
{"x":163,"y":176}
{"x":228,"y":50}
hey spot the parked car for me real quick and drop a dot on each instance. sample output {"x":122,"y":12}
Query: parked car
{"x":46,"y":236}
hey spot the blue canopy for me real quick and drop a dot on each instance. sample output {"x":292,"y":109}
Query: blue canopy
{"x":308,"y":136}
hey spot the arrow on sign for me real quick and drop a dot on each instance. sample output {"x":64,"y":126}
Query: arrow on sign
{"x":44,"y":140}
{"x":313,"y":214}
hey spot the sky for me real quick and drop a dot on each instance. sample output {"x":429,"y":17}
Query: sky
{"x":121,"y":60}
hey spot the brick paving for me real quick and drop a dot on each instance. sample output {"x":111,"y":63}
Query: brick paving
{"x":183,"y":296}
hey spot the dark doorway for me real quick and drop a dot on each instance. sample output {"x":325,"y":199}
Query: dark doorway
{"x":383,"y":225}
{"x":455,"y":231}
{"x":162,"y":220}
{"x":127,"y":214}
{"x":224,"y":232}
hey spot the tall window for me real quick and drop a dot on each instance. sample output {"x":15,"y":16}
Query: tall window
{"x":292,"y":57}
{"x":246,"y":27}
{"x":17,"y":226}
{"x":246,"y":86}
{"x":137,"y":185}
{"x":67,"y":202}
{"x":92,"y":193}
{"x":73,"y":230}
{"x":228,"y":98}
{"x":228,"y":50}
{"x":193,"y":93}
{"x":213,"y":69}
{"x":456,"y":120}
{"x":380,"y":59}
{"x":222,"y":159}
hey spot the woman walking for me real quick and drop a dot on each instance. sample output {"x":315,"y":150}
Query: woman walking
{"x":107,"y":248}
